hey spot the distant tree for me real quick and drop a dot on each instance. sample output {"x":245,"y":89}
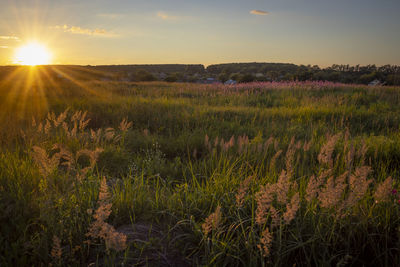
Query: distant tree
{"x":235,"y":76}
{"x":367,"y":78}
{"x":393,"y":79}
{"x":142,"y":75}
{"x":223,"y":77}
{"x":171,"y":78}
{"x":246,"y":78}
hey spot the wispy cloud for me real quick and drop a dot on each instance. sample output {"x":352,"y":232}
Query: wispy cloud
{"x":3,"y":46}
{"x":110,"y":15}
{"x":259,"y":12}
{"x":166,"y":16}
{"x":6,"y":37}
{"x":84,"y":31}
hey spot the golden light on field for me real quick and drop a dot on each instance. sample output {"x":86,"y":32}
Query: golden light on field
{"x":32,"y":54}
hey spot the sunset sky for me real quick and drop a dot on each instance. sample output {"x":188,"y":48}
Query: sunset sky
{"x":92,"y":32}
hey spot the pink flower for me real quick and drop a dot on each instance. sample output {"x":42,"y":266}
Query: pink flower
{"x":394,"y":191}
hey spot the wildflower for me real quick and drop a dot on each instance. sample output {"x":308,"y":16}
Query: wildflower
{"x":394,"y":191}
{"x":212,"y":222}
{"x":265,"y":242}
{"x":244,"y":186}
{"x":382,"y":193}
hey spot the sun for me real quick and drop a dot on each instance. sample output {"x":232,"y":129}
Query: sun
{"x":32,"y":54}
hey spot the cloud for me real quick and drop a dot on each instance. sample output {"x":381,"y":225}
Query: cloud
{"x":84,"y":31}
{"x":259,"y":12}
{"x":3,"y":46}
{"x":6,"y":37}
{"x":110,"y":15}
{"x":165,"y":16}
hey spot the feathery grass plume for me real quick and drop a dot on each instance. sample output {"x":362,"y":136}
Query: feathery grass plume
{"x":274,"y":158}
{"x":350,"y":156}
{"x":207,"y":143}
{"x":325,"y":154}
{"x":358,"y":185}
{"x":244,"y":186}
{"x":276,"y":144}
{"x":292,"y":208}
{"x":56,"y":251}
{"x":125,"y":125}
{"x":111,"y":136}
{"x":92,"y":154}
{"x":264,"y":198}
{"x":109,"y":133}
{"x":290,"y":157}
{"x":282,"y":187}
{"x":95,"y":136}
{"x":76,"y":116}
{"x":362,"y":151}
{"x":100,"y":228}
{"x":61,"y":118}
{"x":314,"y":185}
{"x":383,"y":192}
{"x":46,"y":164}
{"x":268,"y":143}
{"x":307,"y":145}
{"x":40,"y":128}
{"x":265,"y":242}
{"x":332,"y":192}
{"x":65,"y":155}
{"x":216,"y":141}
{"x":275,"y":216}
{"x":51,"y":116}
{"x":212,"y":222}
{"x":47,"y":127}
{"x":83,"y":122}
{"x":74,"y":130}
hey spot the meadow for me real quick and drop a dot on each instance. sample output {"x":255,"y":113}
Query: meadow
{"x":102,"y":173}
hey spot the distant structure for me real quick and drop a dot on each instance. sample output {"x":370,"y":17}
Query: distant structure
{"x":375,"y":83}
{"x":230,"y":82}
{"x":210,"y":80}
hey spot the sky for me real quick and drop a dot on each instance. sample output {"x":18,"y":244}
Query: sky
{"x":93,"y":32}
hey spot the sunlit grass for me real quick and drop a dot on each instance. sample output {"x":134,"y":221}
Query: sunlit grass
{"x":163,"y":179}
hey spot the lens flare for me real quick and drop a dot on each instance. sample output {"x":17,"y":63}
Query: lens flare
{"x":32,"y":54}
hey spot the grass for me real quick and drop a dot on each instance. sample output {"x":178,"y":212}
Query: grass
{"x":182,"y":165}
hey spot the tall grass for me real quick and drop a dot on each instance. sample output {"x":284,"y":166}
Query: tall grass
{"x":182,"y":174}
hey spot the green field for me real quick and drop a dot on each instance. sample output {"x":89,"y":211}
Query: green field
{"x":174,"y":174}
